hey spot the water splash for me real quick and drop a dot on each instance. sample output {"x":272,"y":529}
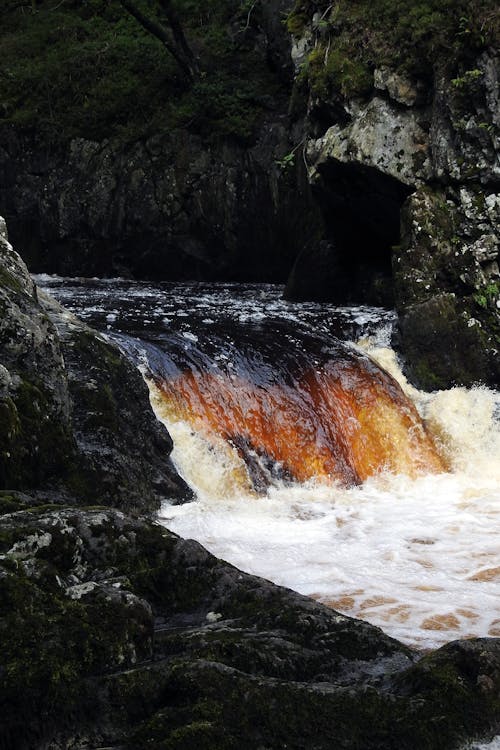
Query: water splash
{"x":417,"y":556}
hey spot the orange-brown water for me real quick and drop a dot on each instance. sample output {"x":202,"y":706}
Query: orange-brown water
{"x":343,"y":421}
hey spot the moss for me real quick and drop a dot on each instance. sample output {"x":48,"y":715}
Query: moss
{"x":39,"y":667}
{"x":9,"y":503}
{"x":9,"y":280}
{"x":296,"y":21}
{"x":105,"y":356}
{"x":226,"y":708}
{"x":9,"y":431}
{"x":407,"y":36}
{"x":336,"y":70}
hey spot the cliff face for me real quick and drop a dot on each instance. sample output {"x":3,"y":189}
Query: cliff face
{"x":169,"y":207}
{"x":404,"y":161}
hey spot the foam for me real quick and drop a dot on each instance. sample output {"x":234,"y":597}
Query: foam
{"x":418,"y":557}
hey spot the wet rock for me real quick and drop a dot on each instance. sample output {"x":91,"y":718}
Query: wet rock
{"x":75,"y":413}
{"x":447,"y":287}
{"x":128,"y":652}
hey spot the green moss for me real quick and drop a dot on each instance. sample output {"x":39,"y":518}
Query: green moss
{"x":406,"y":36}
{"x":296,"y":21}
{"x":51,"y":644}
{"x":35,"y":442}
{"x":336,"y":70}
{"x":9,"y":503}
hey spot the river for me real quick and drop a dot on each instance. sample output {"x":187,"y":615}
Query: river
{"x":310,"y":465}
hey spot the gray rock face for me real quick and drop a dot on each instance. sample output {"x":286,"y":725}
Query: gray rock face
{"x":379,"y":135}
{"x":452,"y":138}
{"x":410,"y":173}
{"x":75,"y":413}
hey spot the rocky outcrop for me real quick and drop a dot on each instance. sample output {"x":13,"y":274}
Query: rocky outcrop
{"x":75,"y":413}
{"x":404,"y":161}
{"x":117,"y":633}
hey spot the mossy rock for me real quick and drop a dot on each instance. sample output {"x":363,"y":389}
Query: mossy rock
{"x":36,"y":443}
{"x":80,"y":657}
{"x":444,"y":345}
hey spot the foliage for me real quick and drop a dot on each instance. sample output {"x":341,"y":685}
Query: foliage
{"x":488,"y":296}
{"x":89,"y":69}
{"x":352,"y":38}
{"x":467,"y":80}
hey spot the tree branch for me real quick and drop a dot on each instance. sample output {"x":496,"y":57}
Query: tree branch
{"x":161,"y":33}
{"x":178,"y":34}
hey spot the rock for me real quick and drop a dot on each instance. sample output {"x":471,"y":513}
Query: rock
{"x":399,"y":87}
{"x":378,"y":135}
{"x":445,"y":345}
{"x":408,"y":170}
{"x":129,"y":653}
{"x":447,"y":287}
{"x":75,"y":413}
{"x":171,"y":207}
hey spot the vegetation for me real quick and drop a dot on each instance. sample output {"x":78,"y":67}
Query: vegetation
{"x":352,"y":38}
{"x":87,"y":68}
{"x":122,"y":69}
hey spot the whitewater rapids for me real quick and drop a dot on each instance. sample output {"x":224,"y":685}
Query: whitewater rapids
{"x":417,"y":556}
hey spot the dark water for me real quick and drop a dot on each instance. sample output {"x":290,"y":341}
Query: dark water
{"x":148,"y":311}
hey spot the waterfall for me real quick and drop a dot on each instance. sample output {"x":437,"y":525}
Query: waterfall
{"x":289,"y":406}
{"x":315,"y":463}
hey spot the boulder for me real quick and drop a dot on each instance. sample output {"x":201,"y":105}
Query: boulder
{"x":75,"y":412}
{"x":116,"y":633}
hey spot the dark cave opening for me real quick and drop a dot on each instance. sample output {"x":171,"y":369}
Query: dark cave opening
{"x":360,"y":207}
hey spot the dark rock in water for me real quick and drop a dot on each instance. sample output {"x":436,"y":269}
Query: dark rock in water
{"x":115,"y":632}
{"x":445,"y":345}
{"x":447,"y":284}
{"x":75,"y":411}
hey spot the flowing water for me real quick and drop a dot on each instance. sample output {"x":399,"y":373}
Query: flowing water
{"x":313,"y":467}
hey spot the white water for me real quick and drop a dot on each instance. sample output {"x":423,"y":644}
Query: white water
{"x":420,"y":558}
